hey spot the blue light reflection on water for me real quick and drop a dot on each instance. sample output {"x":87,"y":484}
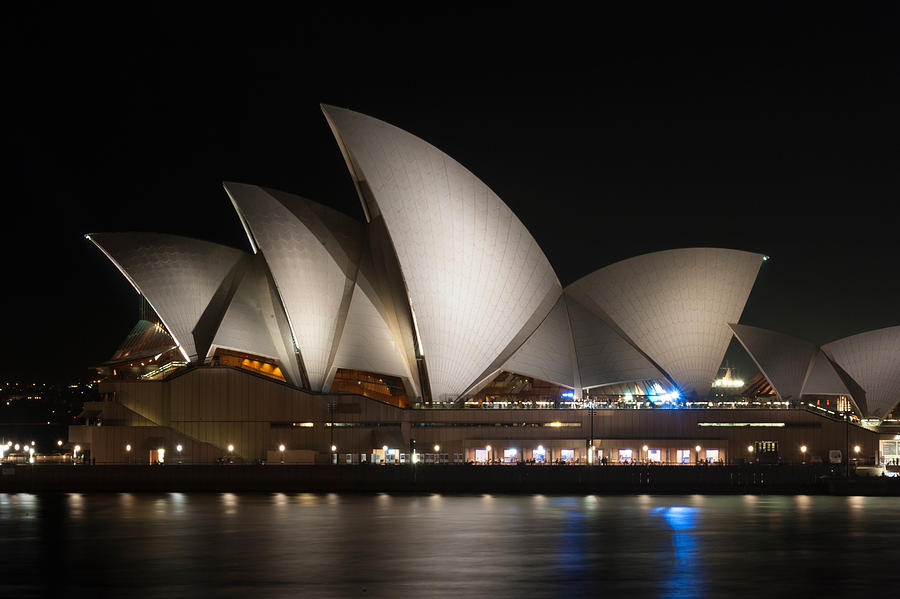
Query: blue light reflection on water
{"x":170,"y":545}
{"x":686,"y":579}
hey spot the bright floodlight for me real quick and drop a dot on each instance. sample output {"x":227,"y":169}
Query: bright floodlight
{"x":437,"y":447}
{"x":59,"y":443}
{"x":77,"y":448}
{"x":281,"y":447}
{"x":803,"y":449}
{"x":128,"y":447}
{"x":178,"y":447}
{"x":17,"y":447}
{"x":698,"y":448}
{"x":334,"y":448}
{"x":25,"y":448}
{"x":645,"y":448}
{"x":857,"y":448}
{"x":230,"y":448}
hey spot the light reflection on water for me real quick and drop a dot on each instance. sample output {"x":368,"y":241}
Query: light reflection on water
{"x":183,"y":544}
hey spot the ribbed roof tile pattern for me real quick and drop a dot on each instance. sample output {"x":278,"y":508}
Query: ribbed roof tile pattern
{"x":873,"y":360}
{"x":250,"y":324}
{"x":784,"y":360}
{"x":474,"y":274}
{"x":604,"y":357}
{"x":675,"y":306}
{"x":547,"y":354}
{"x":177,"y":275}
{"x":313,"y":254}
{"x":367,"y":343}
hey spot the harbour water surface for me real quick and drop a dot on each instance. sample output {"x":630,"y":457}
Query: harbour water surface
{"x":272,"y":545}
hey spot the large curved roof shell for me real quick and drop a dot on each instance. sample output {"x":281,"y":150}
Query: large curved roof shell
{"x":186,"y":281}
{"x":474,"y":274}
{"x":604,"y":357}
{"x":549,"y":353}
{"x":313,"y":254}
{"x":823,"y":379}
{"x":251,"y":323}
{"x":873,"y":360}
{"x":368,"y":344}
{"x":675,"y":306}
{"x":785,"y":361}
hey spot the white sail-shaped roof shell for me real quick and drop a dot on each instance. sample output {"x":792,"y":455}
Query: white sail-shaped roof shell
{"x":177,"y":275}
{"x":313,"y":254}
{"x":785,"y":361}
{"x":548,"y":354}
{"x":474,"y":274}
{"x":873,"y":360}
{"x":251,"y":323}
{"x":823,"y":379}
{"x":604,"y":357}
{"x":675,"y":306}
{"x":368,"y":344}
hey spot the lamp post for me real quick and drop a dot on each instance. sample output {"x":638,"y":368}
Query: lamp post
{"x":178,"y":448}
{"x":128,"y":451}
{"x":281,"y":449}
{"x":75,"y":451}
{"x":698,"y":448}
{"x":490,"y":457}
{"x":803,"y":449}
{"x":333,"y":453}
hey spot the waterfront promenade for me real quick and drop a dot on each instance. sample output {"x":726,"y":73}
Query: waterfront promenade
{"x":811,"y":479}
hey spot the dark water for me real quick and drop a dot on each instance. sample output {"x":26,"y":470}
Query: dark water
{"x":191,"y":545}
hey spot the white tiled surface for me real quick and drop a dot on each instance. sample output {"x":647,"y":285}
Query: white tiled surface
{"x":177,"y":275}
{"x":547,"y":354}
{"x":474,"y":273}
{"x":675,"y":305}
{"x":784,"y":360}
{"x":250,"y":325}
{"x":312,"y":253}
{"x":873,"y":360}
{"x":823,"y":380}
{"x":367,"y":342}
{"x":604,"y":358}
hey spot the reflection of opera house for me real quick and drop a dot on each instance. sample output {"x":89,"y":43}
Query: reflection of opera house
{"x":438,"y":328}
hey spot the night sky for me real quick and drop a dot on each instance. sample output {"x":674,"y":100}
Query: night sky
{"x":609,"y":136}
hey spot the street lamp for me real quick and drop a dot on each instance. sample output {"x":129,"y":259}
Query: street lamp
{"x":698,"y":448}
{"x":749,"y":449}
{"x":75,"y":451}
{"x":178,"y":448}
{"x":490,"y":457}
{"x":334,"y":459}
{"x":437,"y":448}
{"x":281,"y":449}
{"x":59,"y":443}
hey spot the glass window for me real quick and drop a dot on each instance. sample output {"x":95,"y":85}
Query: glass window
{"x":654,"y":455}
{"x":712,"y":455}
{"x":539,"y":454}
{"x":567,"y":455}
{"x":683,"y":456}
{"x":510,"y":455}
{"x":625,"y":455}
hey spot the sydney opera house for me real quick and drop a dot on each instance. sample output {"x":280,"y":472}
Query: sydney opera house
{"x":435,"y":329}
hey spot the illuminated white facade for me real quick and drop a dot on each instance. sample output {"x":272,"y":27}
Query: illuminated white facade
{"x":864,"y":367}
{"x":478,"y":283}
{"x":674,"y":306}
{"x":443,"y":287}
